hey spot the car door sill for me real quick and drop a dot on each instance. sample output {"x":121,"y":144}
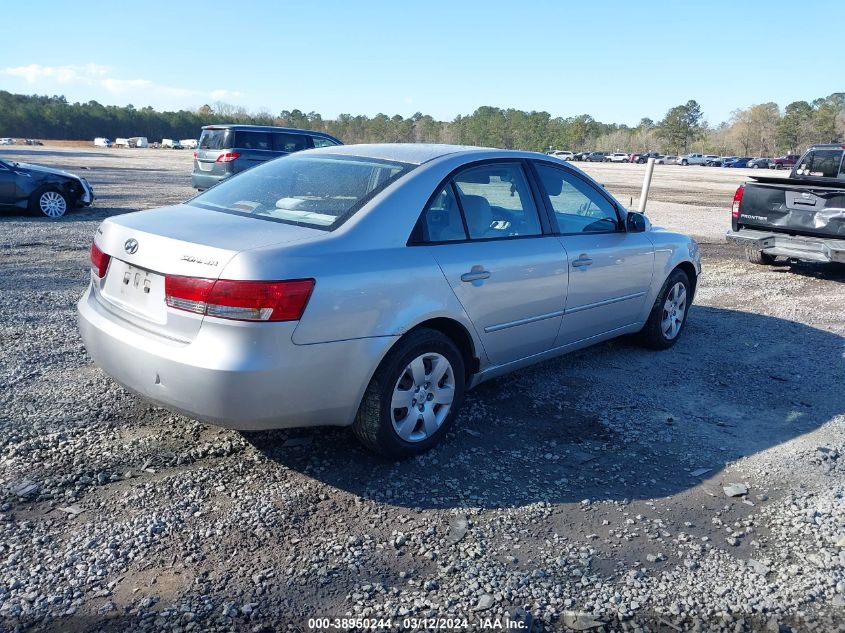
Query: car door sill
{"x":499,"y":370}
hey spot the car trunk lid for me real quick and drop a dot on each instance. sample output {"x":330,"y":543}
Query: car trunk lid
{"x":184,"y":241}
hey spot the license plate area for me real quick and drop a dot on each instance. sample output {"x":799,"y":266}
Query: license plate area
{"x":136,"y":290}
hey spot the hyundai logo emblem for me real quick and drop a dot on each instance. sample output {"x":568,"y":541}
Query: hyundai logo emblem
{"x":131,"y":246}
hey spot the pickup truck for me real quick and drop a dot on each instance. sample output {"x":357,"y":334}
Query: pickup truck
{"x":800,"y":217}
{"x":692,"y":159}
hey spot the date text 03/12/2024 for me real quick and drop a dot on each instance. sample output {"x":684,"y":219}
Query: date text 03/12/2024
{"x":318,"y":625}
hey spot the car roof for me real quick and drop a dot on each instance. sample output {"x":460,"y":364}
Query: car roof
{"x":411,"y":153}
{"x":263,"y":128}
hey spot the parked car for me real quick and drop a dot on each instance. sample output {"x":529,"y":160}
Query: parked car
{"x":240,"y":306}
{"x":45,"y":190}
{"x":561,"y":154}
{"x":760,"y":163}
{"x":225,"y":150}
{"x":799,"y":217}
{"x":643,"y":158}
{"x":579,"y":156}
{"x":784,"y":162}
{"x":709,"y":157}
{"x":739,"y":163}
{"x":101,"y":141}
{"x":670,"y":159}
{"x":33,"y":141}
{"x":617,"y":157}
{"x":720,"y":162}
{"x":691,"y":159}
{"x":7,"y":141}
{"x":595,"y":157}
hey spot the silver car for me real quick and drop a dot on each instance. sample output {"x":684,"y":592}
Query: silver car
{"x":372,"y":285}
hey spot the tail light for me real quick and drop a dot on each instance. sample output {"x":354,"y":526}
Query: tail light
{"x":228,"y":157}
{"x":239,"y":300}
{"x":737,"y":201}
{"x":99,"y":261}
{"x":195,"y":155}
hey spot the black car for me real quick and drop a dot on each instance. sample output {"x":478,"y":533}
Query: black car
{"x":42,"y":189}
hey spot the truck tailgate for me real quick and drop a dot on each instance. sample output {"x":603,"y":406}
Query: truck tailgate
{"x":794,"y":207}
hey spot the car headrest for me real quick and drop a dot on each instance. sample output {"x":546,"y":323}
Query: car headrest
{"x":478,"y":214}
{"x":552,"y":182}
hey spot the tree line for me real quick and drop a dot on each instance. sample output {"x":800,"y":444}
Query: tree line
{"x":761,"y":129}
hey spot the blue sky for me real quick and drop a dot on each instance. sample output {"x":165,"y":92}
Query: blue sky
{"x":618,"y":61}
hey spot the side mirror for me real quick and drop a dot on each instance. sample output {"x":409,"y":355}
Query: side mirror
{"x":635,"y":222}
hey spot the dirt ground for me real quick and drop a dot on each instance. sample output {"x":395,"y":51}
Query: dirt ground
{"x":585,"y":493}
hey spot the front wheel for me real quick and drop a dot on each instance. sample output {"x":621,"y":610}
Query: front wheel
{"x":49,"y":202}
{"x":684,"y":163}
{"x":413,"y":397}
{"x":668,"y":316}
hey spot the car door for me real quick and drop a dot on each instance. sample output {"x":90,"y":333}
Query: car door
{"x":486,"y":233}
{"x":7,"y":185}
{"x":610,"y":270}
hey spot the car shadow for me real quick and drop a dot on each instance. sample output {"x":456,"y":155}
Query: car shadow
{"x":610,"y":422}
{"x":832,"y":272}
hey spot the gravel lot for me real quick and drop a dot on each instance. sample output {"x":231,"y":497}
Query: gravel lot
{"x":695,"y":489}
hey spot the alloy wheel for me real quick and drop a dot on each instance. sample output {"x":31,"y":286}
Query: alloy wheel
{"x":674,"y":311}
{"x":422,"y":397}
{"x":52,"y":204}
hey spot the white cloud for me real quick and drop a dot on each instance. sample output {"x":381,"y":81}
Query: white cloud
{"x":101,"y":77}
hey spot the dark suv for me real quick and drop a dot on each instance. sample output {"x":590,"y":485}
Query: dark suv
{"x":224,"y":150}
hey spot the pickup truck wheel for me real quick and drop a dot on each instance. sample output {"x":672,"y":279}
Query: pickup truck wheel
{"x":756,"y":256}
{"x":669,"y":313}
{"x":413,"y":397}
{"x":684,"y":163}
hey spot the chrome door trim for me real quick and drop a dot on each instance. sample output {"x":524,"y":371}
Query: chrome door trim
{"x":606,"y":302}
{"x":534,"y":319}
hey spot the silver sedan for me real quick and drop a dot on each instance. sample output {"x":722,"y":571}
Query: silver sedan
{"x":372,"y":285}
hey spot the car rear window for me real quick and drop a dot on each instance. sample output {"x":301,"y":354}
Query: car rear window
{"x":820,"y":162}
{"x":252,"y":140}
{"x":213,"y":139}
{"x":315,"y":191}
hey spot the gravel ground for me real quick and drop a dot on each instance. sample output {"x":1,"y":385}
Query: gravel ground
{"x":613,"y":489}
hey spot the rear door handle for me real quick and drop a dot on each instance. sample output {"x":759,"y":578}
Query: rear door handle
{"x":476,"y":274}
{"x":582,"y":261}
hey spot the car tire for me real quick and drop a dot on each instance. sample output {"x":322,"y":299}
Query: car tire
{"x":624,"y":160}
{"x":50,"y":202}
{"x":778,"y":166}
{"x":755,"y":166}
{"x":756,"y":256}
{"x":400,"y":432}
{"x":684,"y":163}
{"x":662,"y":329}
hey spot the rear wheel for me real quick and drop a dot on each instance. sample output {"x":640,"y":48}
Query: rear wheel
{"x":50,"y":202}
{"x":684,"y":163}
{"x":669,"y":313}
{"x":413,"y":397}
{"x":756,"y":256}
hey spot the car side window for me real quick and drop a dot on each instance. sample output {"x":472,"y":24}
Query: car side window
{"x":821,"y":162}
{"x":323,"y":142}
{"x":441,"y":221}
{"x":290,"y":143}
{"x":497,"y":201}
{"x":578,"y":207}
{"x":252,"y":140}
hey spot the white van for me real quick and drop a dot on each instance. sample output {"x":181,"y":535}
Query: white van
{"x":102,"y":141}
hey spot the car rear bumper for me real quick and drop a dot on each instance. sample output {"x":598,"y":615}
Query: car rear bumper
{"x":806,"y":248}
{"x":247,"y":376}
{"x":201,"y":180}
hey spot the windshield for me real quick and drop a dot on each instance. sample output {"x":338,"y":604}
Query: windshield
{"x":315,"y":191}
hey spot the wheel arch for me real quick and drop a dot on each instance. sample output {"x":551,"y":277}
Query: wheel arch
{"x":459,"y":335}
{"x":692,"y":275}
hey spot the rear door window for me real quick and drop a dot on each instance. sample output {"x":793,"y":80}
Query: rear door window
{"x":497,"y":202}
{"x":253,"y":140}
{"x":319,"y":141}
{"x":213,"y":139}
{"x":289,"y":143}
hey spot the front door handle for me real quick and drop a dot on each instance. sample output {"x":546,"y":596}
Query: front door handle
{"x":582,"y":261}
{"x":476,"y":274}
